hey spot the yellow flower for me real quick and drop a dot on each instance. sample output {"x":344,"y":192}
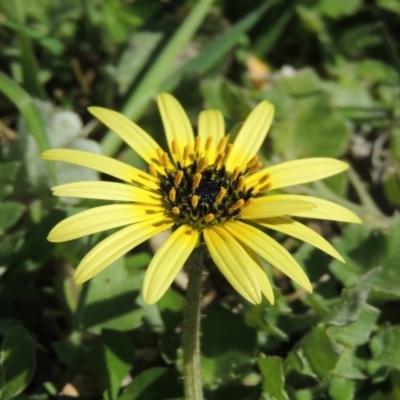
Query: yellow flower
{"x":205,"y":189}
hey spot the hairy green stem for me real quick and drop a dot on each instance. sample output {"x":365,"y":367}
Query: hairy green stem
{"x":191,"y":329}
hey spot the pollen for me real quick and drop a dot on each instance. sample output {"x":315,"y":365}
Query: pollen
{"x":186,"y":151}
{"x":220,"y":195}
{"x":196,"y":180}
{"x":152,"y":170}
{"x":172,"y":195}
{"x":209,"y":217}
{"x":208,"y":143}
{"x":197,"y":143}
{"x":194,"y":200}
{"x":237,"y":205}
{"x":228,"y":152}
{"x":202,"y":165}
{"x":265,"y":187}
{"x":175,"y":147}
{"x":178,"y":177}
{"x":241,"y":183}
{"x":165,"y":160}
{"x":222,"y":144}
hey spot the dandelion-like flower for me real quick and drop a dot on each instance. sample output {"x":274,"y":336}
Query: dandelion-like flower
{"x":206,"y":189}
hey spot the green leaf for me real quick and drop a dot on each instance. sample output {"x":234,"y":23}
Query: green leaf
{"x":385,"y":347}
{"x":391,"y":186}
{"x":17,"y":362}
{"x":391,"y":5}
{"x":29,"y":112}
{"x":10,"y":213}
{"x":337,"y":9}
{"x":119,"y":354}
{"x":225,"y":355}
{"x":110,"y":300}
{"x":159,"y":71}
{"x":8,"y":172}
{"x":137,"y":53}
{"x":154,"y":383}
{"x":218,"y":48}
{"x":170,"y":307}
{"x":358,"y":332}
{"x":227,"y":98}
{"x":352,"y":301}
{"x":307,"y":126}
{"x":273,"y":378}
{"x":363,"y":250}
{"x":28,"y":61}
{"x":321,"y":352}
{"x":342,"y":388}
{"x":350,"y":366}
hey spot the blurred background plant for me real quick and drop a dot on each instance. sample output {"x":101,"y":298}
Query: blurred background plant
{"x":331,"y":67}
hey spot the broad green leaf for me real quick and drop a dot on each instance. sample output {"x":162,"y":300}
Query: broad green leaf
{"x":392,"y":186}
{"x":17,"y":361}
{"x":8,"y":171}
{"x":225,"y":354}
{"x":273,"y":379}
{"x":321,"y":352}
{"x":154,"y":383}
{"x":385,"y":347}
{"x":226,"y":97}
{"x":359,"y":331}
{"x":119,"y":354}
{"x":336,"y":9}
{"x":307,"y":125}
{"x":110,"y":300}
{"x":10,"y":213}
{"x":364,"y":250}
{"x":351,"y":366}
{"x":353,"y":300}
{"x":342,"y":388}
{"x":391,"y":5}
{"x":170,"y":307}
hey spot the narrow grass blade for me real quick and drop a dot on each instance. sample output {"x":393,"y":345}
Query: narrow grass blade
{"x":160,"y":70}
{"x":29,"y":112}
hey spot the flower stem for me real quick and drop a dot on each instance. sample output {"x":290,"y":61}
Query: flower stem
{"x":191,"y":329}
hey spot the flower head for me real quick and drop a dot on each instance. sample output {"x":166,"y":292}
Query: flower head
{"x":206,"y":189}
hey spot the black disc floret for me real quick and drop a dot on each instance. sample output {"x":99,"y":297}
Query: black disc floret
{"x":204,"y":196}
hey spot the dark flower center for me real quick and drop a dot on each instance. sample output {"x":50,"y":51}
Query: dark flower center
{"x":204,"y":198}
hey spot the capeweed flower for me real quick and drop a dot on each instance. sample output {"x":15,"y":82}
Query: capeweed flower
{"x":206,"y":188}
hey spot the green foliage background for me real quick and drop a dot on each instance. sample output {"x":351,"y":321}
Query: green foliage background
{"x":331,"y":67}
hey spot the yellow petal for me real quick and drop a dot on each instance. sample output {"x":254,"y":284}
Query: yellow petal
{"x":100,"y":219}
{"x":251,"y":135}
{"x":104,"y":164}
{"x":118,"y":244}
{"x":297,"y":172}
{"x":270,"y":250}
{"x":275,"y":206}
{"x":211,"y":124}
{"x":262,"y":277}
{"x":324,"y":209}
{"x":167,"y":262}
{"x":107,"y":191}
{"x":176,"y":123}
{"x":299,"y":231}
{"x":233,"y":262}
{"x":132,"y":134}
